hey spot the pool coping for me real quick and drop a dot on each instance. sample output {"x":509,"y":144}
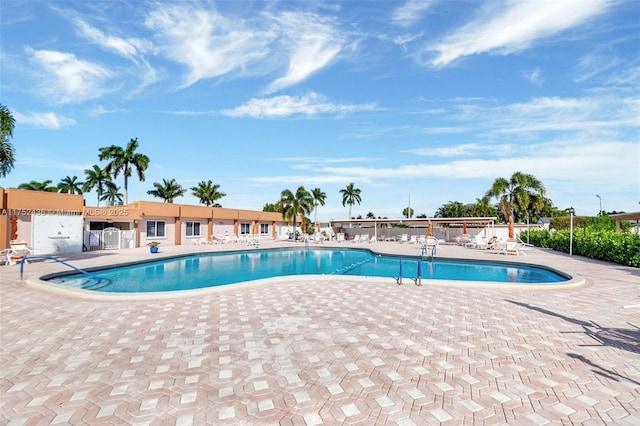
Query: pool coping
{"x":574,"y":280}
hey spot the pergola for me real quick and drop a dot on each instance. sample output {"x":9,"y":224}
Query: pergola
{"x":619,"y":217}
{"x":417,"y":223}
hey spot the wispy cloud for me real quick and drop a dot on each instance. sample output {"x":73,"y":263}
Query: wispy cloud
{"x":128,"y":47}
{"x":464,"y":150}
{"x":47,"y":120}
{"x":286,"y":106}
{"x":512,"y":26}
{"x":314,"y":44}
{"x":534,"y":77}
{"x":131,"y":48}
{"x":68,"y":79}
{"x":206,"y":42}
{"x":410,"y":12}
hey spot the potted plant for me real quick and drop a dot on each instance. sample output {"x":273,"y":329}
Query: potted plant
{"x":153,"y":246}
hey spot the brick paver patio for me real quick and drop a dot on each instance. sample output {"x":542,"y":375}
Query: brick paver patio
{"x":312,"y":351}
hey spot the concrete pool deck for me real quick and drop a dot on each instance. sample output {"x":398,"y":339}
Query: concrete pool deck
{"x":309,"y":352}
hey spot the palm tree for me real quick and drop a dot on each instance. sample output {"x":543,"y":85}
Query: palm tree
{"x":112,"y":195}
{"x":208,"y":193}
{"x":7,"y":151}
{"x":100,"y":179}
{"x":516,"y":196}
{"x":167,"y":190}
{"x":300,"y":203}
{"x":319,"y":198}
{"x":350,"y":195}
{"x":407,"y":212}
{"x":70,"y":185}
{"x":124,"y":161}
{"x":34,"y":185}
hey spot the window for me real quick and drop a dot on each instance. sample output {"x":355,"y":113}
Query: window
{"x":155,"y":228}
{"x":193,"y":229}
{"x":245,"y":228}
{"x":264,"y":228}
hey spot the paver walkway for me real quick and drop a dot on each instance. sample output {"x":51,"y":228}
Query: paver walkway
{"x":311,"y":352}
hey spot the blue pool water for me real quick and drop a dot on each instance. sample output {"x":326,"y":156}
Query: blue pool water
{"x":216,"y":269}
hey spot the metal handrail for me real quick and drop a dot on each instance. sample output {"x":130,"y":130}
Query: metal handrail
{"x":24,"y":259}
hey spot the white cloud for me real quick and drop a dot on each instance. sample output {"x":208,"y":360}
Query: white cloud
{"x":410,"y":12}
{"x":514,"y":27}
{"x":47,"y":120}
{"x":534,"y":77}
{"x":128,"y":47}
{"x":313,"y":44}
{"x":285,"y":106}
{"x":207,"y":43}
{"x":68,"y":79}
{"x":464,"y":150}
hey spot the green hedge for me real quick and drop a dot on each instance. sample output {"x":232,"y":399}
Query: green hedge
{"x":611,"y":246}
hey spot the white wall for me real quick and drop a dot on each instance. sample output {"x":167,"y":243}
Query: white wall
{"x":55,"y":234}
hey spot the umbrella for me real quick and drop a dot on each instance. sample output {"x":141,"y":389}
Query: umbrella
{"x":464,"y":227}
{"x":430,"y":229}
{"x":511,"y":233}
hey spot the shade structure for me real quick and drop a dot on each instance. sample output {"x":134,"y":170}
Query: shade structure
{"x":511,"y":233}
{"x":430,"y":229}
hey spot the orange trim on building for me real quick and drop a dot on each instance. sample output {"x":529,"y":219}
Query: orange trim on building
{"x":23,"y":204}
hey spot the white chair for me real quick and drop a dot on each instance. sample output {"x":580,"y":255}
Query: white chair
{"x":479,"y":243}
{"x":404,"y":238}
{"x":340,"y":237}
{"x":511,"y":247}
{"x":413,"y":239}
{"x":17,"y":251}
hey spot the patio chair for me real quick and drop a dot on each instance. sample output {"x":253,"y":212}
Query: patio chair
{"x":17,"y":251}
{"x":479,"y":243}
{"x":511,"y":247}
{"x":404,"y":238}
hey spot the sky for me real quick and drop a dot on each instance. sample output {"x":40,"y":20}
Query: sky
{"x":414,"y":102}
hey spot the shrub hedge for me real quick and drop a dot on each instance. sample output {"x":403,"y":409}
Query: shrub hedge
{"x":611,"y":246}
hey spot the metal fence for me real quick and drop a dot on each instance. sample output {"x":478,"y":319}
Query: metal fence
{"x":109,"y":239}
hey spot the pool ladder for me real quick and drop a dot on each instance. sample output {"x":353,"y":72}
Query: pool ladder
{"x":100,"y":282}
{"x":417,"y":280}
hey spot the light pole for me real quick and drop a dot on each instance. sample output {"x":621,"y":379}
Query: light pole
{"x":599,"y":198}
{"x":571,"y":213}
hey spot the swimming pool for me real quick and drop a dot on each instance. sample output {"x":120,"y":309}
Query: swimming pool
{"x":218,"y":269}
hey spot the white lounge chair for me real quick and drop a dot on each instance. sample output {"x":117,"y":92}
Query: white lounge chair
{"x":17,"y":251}
{"x":413,"y":239}
{"x":511,"y":247}
{"x":404,"y":238}
{"x":340,"y":237}
{"x":479,"y":243}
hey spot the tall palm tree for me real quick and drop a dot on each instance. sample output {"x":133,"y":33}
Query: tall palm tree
{"x":168,"y":190}
{"x":123,"y":161}
{"x":70,"y":185}
{"x":516,"y":196}
{"x":350,"y":195}
{"x":208,"y":193}
{"x":300,"y":203}
{"x":112,"y":195}
{"x":34,"y":185}
{"x":100,"y":179}
{"x":319,"y":198}
{"x":7,"y":151}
